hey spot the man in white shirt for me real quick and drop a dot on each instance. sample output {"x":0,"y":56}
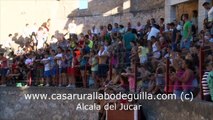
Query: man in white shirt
{"x":94,"y":30}
{"x":34,"y":28}
{"x":7,"y":43}
{"x":153,"y":32}
{"x":72,"y":28}
{"x":26,"y":31}
{"x":209,"y":8}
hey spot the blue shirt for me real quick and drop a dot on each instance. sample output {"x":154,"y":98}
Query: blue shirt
{"x":128,"y":37}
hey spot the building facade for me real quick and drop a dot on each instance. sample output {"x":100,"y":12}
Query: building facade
{"x":175,"y":8}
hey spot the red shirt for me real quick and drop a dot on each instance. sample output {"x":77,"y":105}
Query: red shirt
{"x":4,"y":62}
{"x":81,"y":43}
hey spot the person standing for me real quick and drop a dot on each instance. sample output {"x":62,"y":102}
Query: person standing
{"x":3,"y":68}
{"x":209,"y":8}
{"x":128,"y":37}
{"x":72,"y":28}
{"x":176,"y":35}
{"x":187,"y":32}
{"x":102,"y":64}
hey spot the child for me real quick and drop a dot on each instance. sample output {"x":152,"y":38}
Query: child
{"x":53,"y":67}
{"x":69,"y":56}
{"x":29,"y":63}
{"x":46,"y":62}
{"x":72,"y":70}
{"x":159,"y":79}
{"x":58,"y":59}
{"x":64,"y":69}
{"x":131,"y":78}
{"x":94,"y":67}
{"x":38,"y":66}
{"x":142,"y":53}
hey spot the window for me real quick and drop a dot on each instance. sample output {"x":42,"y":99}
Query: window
{"x":83,"y":4}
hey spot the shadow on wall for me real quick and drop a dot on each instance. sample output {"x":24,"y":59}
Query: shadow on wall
{"x":17,"y":39}
{"x":99,"y":12}
{"x":102,"y":12}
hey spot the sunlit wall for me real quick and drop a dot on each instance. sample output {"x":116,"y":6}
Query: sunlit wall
{"x":14,"y":14}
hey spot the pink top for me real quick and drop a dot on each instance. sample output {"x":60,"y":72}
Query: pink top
{"x":188,"y":84}
{"x":178,"y":84}
{"x":131,"y":80}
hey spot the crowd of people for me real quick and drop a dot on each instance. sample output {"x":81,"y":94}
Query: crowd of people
{"x":117,"y":57}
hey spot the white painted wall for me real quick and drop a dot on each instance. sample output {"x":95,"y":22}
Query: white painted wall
{"x":14,"y":14}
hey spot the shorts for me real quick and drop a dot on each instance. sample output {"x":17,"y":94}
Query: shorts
{"x":53,"y":72}
{"x":47,"y":74}
{"x":64,"y":70}
{"x":59,"y":71}
{"x":70,"y":71}
{"x":3,"y":71}
{"x":82,"y":67}
{"x":95,"y":72}
{"x":185,"y":44}
{"x":39,"y":73}
{"x":143,"y":59}
{"x":102,"y":70}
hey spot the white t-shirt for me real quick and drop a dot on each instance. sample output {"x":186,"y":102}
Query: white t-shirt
{"x":153,"y":32}
{"x":95,"y":31}
{"x":53,"y":40}
{"x":210,"y":15}
{"x":138,"y":28}
{"x":7,"y":43}
{"x":40,"y":37}
{"x":26,"y":32}
{"x":46,"y":64}
{"x":72,"y":28}
{"x":28,"y":61}
{"x":59,"y":62}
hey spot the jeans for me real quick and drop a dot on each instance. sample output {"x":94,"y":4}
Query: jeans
{"x":174,"y":46}
{"x":128,"y":60}
{"x":185,"y":44}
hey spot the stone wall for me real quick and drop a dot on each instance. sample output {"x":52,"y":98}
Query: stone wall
{"x":120,"y":11}
{"x":14,"y":106}
{"x":177,"y":110}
